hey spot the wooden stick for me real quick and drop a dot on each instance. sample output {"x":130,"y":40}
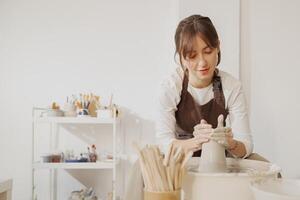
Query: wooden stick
{"x":169,"y":179}
{"x":149,"y":168}
{"x":159,"y":160}
{"x":145,"y":174}
{"x":172,"y":170}
{"x":176,"y":179}
{"x":186,"y":159}
{"x":167,"y":156}
{"x":179,"y":159}
{"x":172,"y":164}
{"x":181,"y":175}
{"x":177,"y":154}
{"x":155,"y":167}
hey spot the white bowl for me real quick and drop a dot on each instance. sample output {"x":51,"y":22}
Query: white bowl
{"x":280,"y":189}
{"x":55,"y":113}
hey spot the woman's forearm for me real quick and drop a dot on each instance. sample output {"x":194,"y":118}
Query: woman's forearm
{"x":236,"y":147}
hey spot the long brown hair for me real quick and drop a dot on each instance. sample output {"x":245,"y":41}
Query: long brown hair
{"x":188,"y":29}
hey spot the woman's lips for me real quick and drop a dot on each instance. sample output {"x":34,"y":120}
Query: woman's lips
{"x":204,"y":71}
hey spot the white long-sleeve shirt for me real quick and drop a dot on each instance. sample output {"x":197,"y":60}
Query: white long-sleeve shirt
{"x":169,"y":98}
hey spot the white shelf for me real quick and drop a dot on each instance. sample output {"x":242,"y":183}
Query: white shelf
{"x":54,"y":138}
{"x":5,"y":185}
{"x":89,"y":165}
{"x":75,"y":120}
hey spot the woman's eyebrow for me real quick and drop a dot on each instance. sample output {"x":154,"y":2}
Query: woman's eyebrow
{"x":192,"y":51}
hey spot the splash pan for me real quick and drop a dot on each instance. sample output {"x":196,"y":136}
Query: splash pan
{"x":232,"y":185}
{"x":280,"y":189}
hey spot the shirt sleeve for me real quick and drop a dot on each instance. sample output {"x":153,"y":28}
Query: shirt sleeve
{"x":169,"y":97}
{"x":238,"y":116}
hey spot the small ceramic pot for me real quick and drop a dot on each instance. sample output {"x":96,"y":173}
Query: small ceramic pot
{"x":104,"y":113}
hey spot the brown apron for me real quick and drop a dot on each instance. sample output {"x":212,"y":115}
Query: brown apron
{"x":189,"y":113}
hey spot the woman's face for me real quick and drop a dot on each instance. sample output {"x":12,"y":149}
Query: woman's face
{"x":201,"y":62}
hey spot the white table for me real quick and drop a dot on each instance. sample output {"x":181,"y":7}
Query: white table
{"x":5,"y":189}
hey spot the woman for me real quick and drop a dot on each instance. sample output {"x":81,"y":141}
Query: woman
{"x":198,"y":98}
{"x":197,"y":93}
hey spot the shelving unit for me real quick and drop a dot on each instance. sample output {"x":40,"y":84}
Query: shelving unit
{"x":53,"y":167}
{"x":97,"y":165}
{"x":75,"y":120}
{"x":6,"y":189}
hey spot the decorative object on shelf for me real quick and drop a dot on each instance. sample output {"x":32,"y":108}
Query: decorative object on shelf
{"x":69,"y":156}
{"x":83,"y":105}
{"x":55,"y":157}
{"x":69,"y":160}
{"x":84,"y":194}
{"x":83,"y":112}
{"x":106,"y":156}
{"x":70,"y":108}
{"x":46,"y":158}
{"x":107,"y":111}
{"x":94,"y":105}
{"x":104,"y":112}
{"x":109,"y":157}
{"x":77,"y":160}
{"x":87,"y":104}
{"x":83,"y":158}
{"x":53,"y":111}
{"x":55,"y":106}
{"x":92,"y":154}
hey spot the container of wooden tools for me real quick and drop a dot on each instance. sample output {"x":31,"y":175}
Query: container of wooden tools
{"x":162,"y":174}
{"x":170,"y":195}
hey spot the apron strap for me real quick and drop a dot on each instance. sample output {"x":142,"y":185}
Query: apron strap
{"x":218,"y":89}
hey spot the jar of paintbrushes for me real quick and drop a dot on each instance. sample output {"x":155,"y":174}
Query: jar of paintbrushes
{"x":86,"y":104}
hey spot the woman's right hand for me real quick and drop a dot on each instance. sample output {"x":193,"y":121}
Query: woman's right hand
{"x":203,"y":130}
{"x":201,"y":134}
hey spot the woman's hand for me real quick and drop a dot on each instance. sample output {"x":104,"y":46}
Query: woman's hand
{"x":192,"y":144}
{"x":201,"y":134}
{"x":223,"y":135}
{"x":203,"y":130}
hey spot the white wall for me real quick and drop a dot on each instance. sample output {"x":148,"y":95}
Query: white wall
{"x":270,"y":73}
{"x":50,"y":49}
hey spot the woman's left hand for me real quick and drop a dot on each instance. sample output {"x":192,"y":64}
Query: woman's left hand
{"x":223,"y":135}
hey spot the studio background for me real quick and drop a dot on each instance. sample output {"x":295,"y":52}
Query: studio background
{"x":50,"y":49}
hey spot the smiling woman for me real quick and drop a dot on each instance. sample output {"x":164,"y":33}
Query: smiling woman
{"x":198,"y":100}
{"x":201,"y":62}
{"x":197,"y":93}
{"x":198,"y":46}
